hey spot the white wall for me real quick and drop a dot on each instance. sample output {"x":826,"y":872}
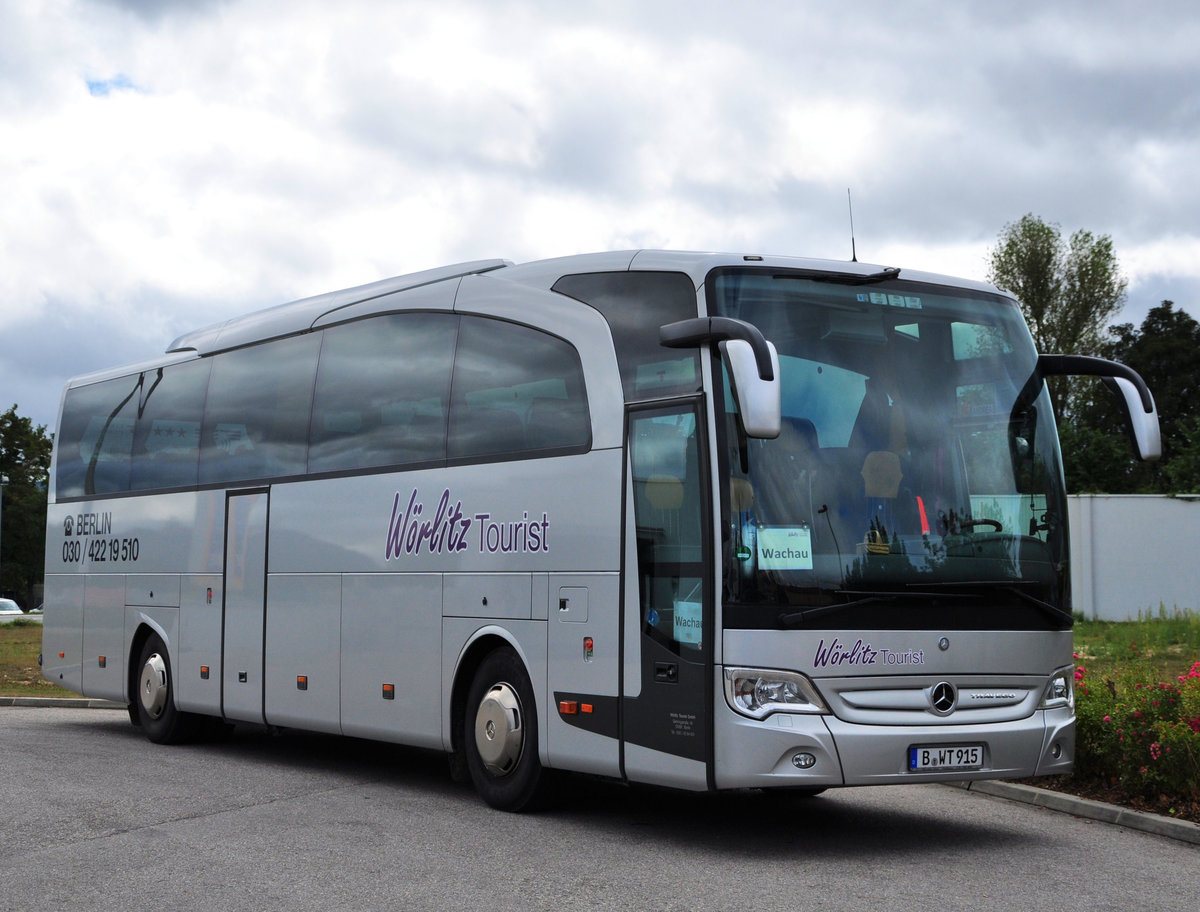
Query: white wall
{"x":1131,"y":553}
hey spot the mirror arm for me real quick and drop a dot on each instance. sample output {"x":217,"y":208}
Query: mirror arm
{"x":1088,"y":366}
{"x":701,"y":330}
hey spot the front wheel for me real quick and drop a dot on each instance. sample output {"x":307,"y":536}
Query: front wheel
{"x":154,"y":702}
{"x":500,"y":733}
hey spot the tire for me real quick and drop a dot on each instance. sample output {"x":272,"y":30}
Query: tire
{"x":154,"y":702}
{"x":500,"y":735}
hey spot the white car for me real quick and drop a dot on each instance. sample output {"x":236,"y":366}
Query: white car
{"x":8,"y":606}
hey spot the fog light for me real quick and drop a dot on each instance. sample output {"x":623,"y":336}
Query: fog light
{"x":1055,"y":750}
{"x":803,"y":761}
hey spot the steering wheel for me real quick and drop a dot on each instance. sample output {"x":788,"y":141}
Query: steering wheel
{"x":971,"y":523}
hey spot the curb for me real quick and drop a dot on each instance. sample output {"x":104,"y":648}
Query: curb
{"x":61,"y":702}
{"x":1182,"y":830}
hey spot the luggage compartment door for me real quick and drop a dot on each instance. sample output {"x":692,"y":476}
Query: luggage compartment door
{"x":244,"y":611}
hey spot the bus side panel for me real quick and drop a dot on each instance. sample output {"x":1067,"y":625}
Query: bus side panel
{"x":198,"y":671}
{"x":104,"y":637}
{"x":302,"y":677}
{"x":62,"y":631}
{"x":584,"y":649}
{"x":391,"y":646}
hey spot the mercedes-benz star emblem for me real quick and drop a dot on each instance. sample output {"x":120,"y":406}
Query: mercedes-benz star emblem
{"x":942,"y":698}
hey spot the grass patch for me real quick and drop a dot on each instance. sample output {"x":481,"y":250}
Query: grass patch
{"x":20,"y":676}
{"x":1159,"y":646}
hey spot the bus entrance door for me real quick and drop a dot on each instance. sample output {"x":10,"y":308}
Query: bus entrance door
{"x":667,"y":678}
{"x":244,"y":606}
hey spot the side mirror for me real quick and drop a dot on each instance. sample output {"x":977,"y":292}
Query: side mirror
{"x":758,"y":399}
{"x":1143,"y":425}
{"x":1141,"y":417}
{"x":753,"y":363}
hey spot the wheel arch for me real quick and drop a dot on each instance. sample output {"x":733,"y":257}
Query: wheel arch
{"x":145,"y":629}
{"x":484,"y":642}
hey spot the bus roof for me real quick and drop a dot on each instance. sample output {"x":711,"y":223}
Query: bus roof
{"x":302,"y":315}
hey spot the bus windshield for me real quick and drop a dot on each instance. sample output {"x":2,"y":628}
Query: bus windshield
{"x":916,"y":482}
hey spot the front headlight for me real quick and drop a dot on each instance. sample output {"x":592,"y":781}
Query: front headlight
{"x":1061,"y":689}
{"x":758,"y":692}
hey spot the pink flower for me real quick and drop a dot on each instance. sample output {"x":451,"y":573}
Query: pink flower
{"x":1155,"y":751}
{"x":1108,"y":718}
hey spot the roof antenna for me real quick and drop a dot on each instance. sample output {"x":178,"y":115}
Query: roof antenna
{"x":853,"y":249}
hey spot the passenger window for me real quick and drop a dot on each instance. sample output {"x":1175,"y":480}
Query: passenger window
{"x":664,"y":463}
{"x":259,"y":403}
{"x":382,"y":389}
{"x":166,"y":442}
{"x":515,"y":390}
{"x":95,"y":438}
{"x":636,"y":304}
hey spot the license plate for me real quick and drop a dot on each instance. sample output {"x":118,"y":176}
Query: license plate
{"x":945,"y":757}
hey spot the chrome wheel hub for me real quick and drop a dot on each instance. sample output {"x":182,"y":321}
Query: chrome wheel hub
{"x":499,"y":733}
{"x":153,"y":690}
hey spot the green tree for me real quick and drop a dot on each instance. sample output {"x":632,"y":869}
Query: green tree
{"x":1165,"y":350}
{"x":25,"y":462}
{"x":1183,"y":471}
{"x":1068,"y":290}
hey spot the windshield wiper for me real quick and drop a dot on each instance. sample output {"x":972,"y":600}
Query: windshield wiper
{"x":1013,"y":587}
{"x":1052,"y":610}
{"x":843,"y":278}
{"x":869,"y":598}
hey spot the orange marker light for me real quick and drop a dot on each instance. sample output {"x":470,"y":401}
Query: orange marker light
{"x":389,"y":691}
{"x":302,"y":682}
{"x":585,"y":707}
{"x":568,"y":707}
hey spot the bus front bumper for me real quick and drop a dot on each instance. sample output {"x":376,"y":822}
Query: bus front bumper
{"x":820,"y":751}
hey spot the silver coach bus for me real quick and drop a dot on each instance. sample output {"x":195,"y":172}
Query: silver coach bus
{"x":704,"y":521}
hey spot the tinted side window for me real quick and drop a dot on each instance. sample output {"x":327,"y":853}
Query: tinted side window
{"x":382,"y":391}
{"x":166,"y":442}
{"x":515,"y":390}
{"x":636,"y":304}
{"x":256,"y":417}
{"x":95,"y":437}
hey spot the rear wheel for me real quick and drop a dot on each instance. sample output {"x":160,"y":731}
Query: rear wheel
{"x":154,"y":703}
{"x":500,"y":733}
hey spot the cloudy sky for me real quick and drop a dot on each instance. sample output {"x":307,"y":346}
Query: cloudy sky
{"x":168,"y":164}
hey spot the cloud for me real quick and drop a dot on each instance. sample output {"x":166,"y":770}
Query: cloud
{"x":176,"y":163}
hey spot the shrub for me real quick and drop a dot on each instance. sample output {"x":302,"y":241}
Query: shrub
{"x":1143,"y":738}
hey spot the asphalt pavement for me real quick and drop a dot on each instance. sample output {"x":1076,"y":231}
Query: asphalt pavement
{"x":96,"y":818}
{"x":1182,"y":830}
